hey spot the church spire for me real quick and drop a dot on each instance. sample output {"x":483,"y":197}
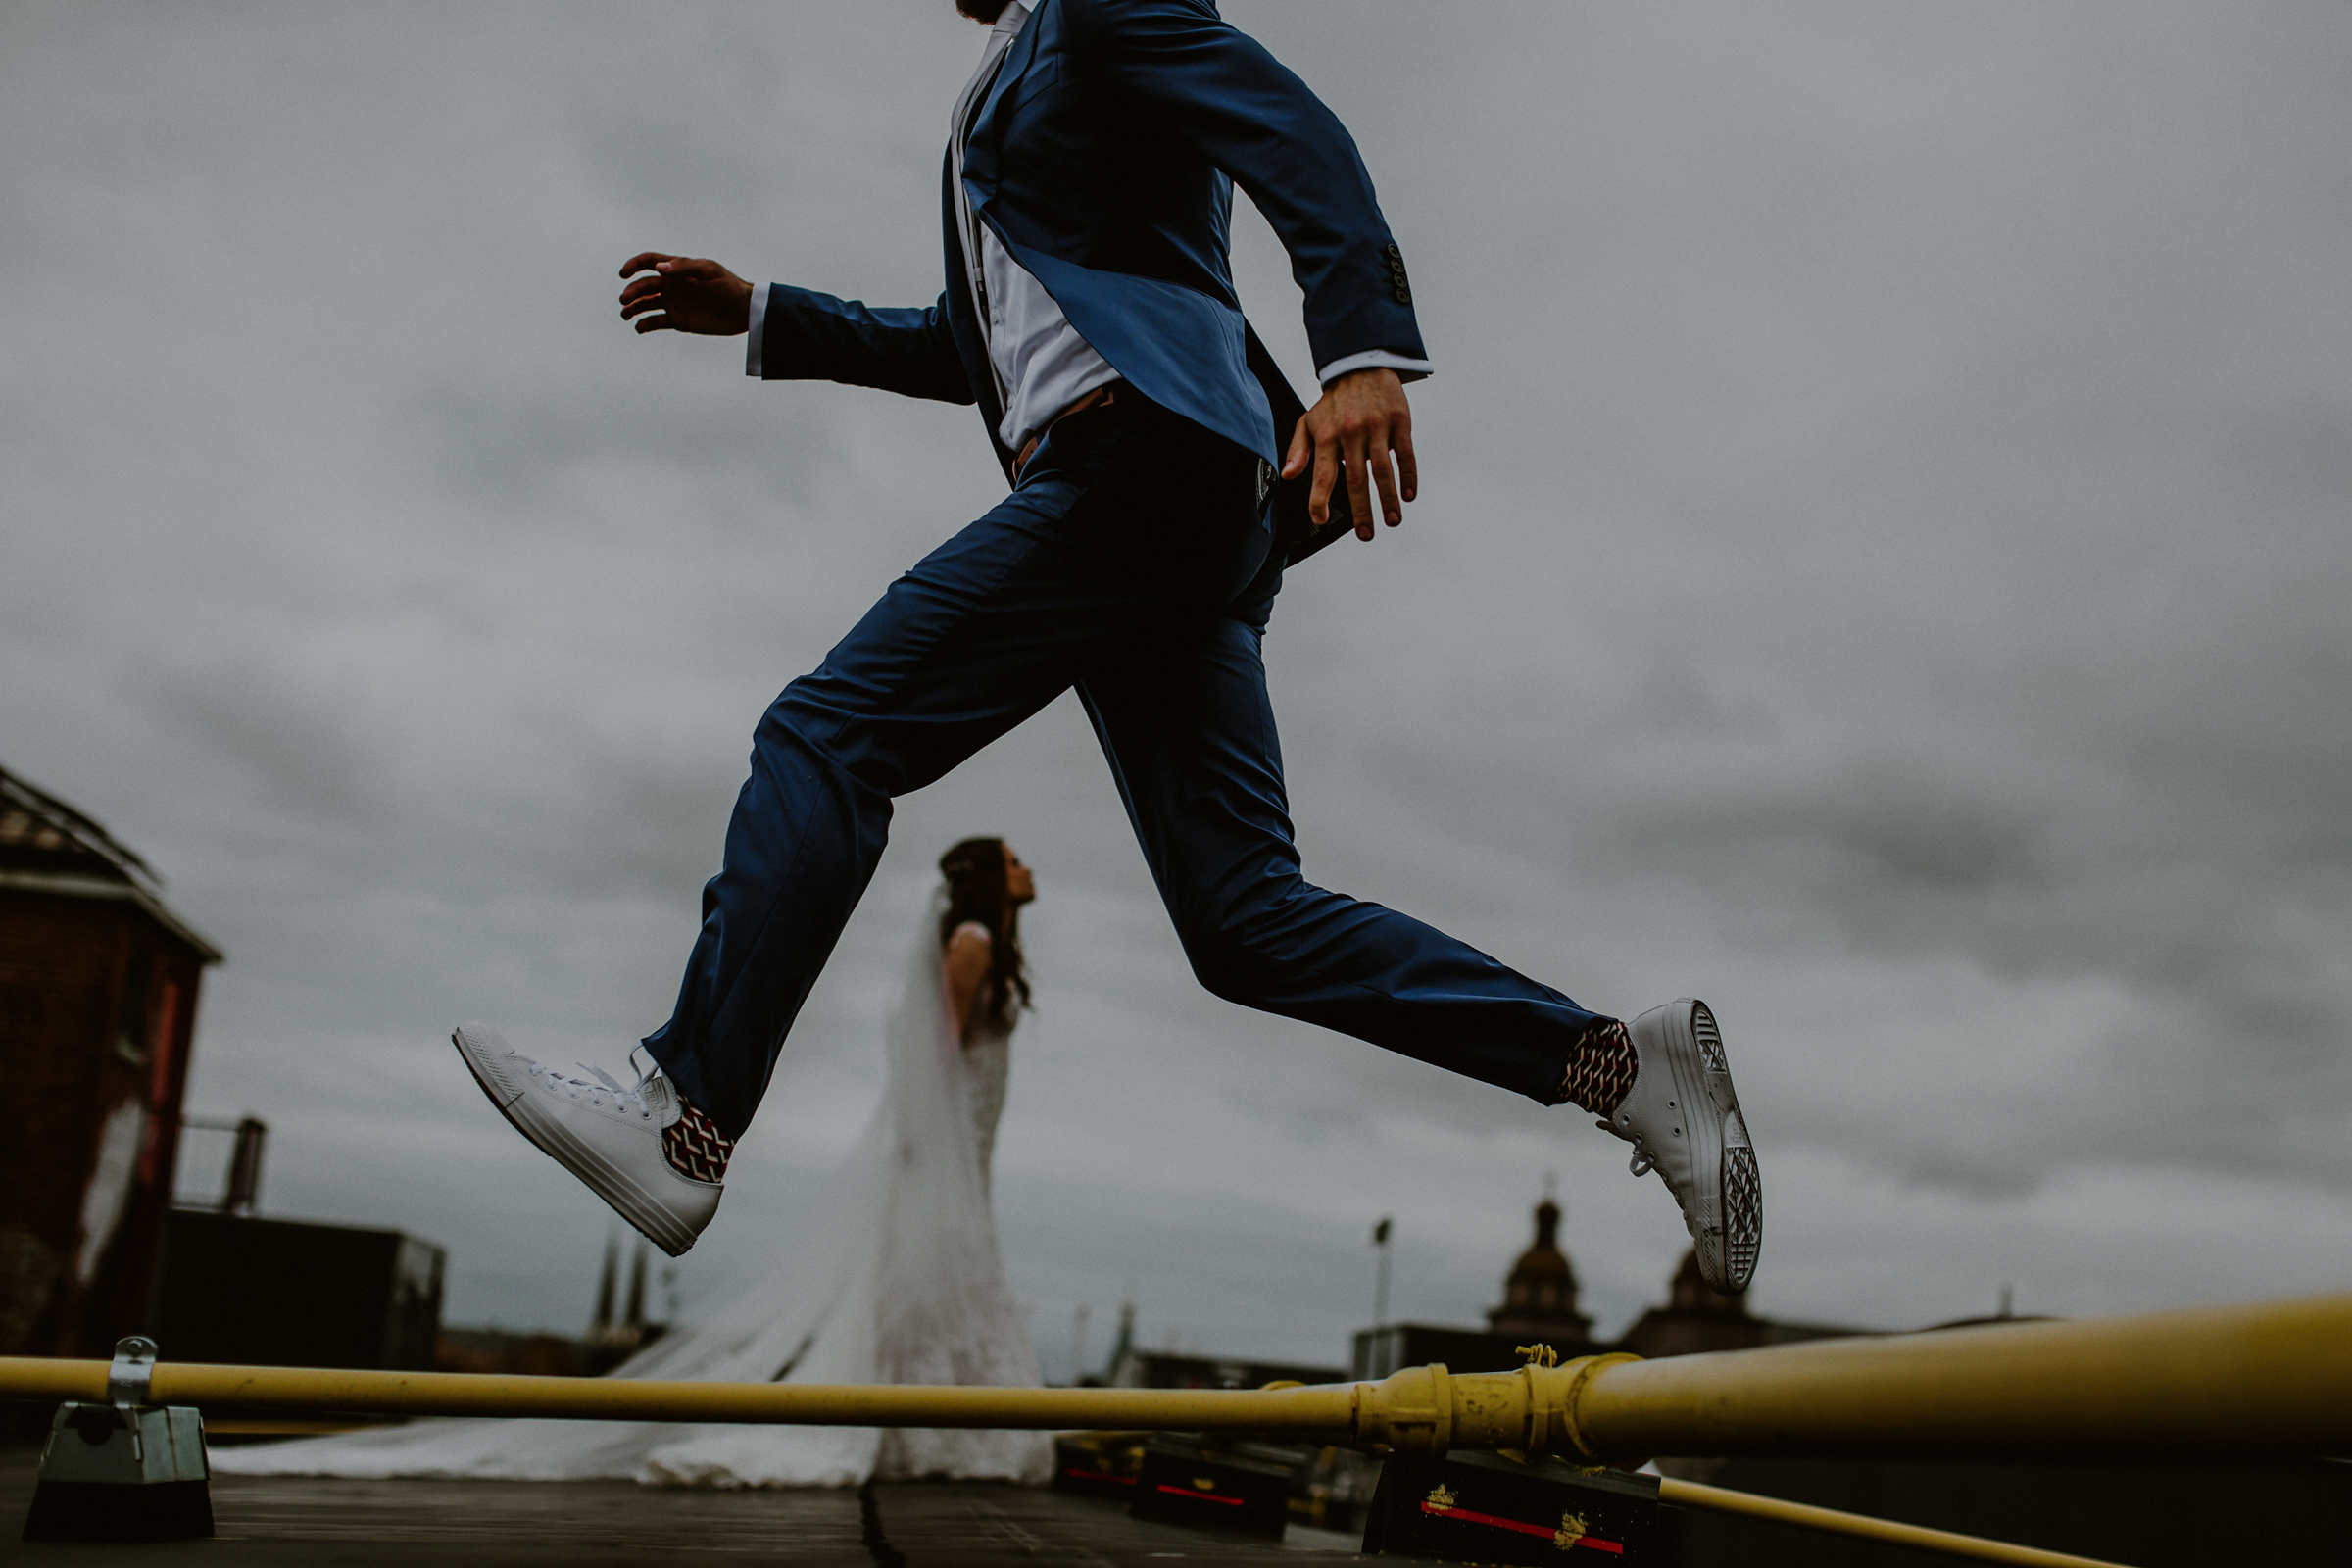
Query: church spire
{"x":1539,"y":1298}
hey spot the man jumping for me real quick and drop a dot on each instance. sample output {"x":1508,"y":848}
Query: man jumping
{"x":1090,"y":312}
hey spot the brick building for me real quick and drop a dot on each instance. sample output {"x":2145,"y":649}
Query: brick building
{"x":98,"y":983}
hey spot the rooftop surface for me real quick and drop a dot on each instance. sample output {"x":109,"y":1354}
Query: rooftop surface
{"x":270,"y":1520}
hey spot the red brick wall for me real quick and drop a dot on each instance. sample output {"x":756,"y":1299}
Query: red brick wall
{"x":97,"y":1008}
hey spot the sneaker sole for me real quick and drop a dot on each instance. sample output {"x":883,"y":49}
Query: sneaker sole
{"x":598,"y":1174}
{"x":1703,"y":1076}
{"x":1743,"y":1182}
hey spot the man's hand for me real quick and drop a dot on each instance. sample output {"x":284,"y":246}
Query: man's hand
{"x":1361,"y":419}
{"x":692,"y":295}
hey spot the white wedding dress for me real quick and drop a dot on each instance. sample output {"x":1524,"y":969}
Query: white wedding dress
{"x":892,"y":1276}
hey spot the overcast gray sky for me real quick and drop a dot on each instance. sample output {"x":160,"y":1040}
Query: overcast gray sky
{"x":1882,"y":568}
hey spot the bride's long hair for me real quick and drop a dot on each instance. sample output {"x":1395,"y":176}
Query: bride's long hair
{"x":976,"y":891}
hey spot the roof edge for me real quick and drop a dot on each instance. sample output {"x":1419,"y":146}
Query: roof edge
{"x":93,"y":887}
{"x":84,"y":829}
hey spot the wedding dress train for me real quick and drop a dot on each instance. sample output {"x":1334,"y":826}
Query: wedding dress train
{"x":890,"y":1276}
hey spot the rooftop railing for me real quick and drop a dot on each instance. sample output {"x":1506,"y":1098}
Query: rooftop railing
{"x":2273,"y":1380}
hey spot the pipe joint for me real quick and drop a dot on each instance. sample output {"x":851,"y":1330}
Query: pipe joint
{"x":1411,"y":1410}
{"x":1425,"y":1410}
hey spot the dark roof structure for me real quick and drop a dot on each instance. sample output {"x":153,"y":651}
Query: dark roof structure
{"x":47,"y":846}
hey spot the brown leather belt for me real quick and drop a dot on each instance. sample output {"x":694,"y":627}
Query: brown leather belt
{"x":1100,"y":396}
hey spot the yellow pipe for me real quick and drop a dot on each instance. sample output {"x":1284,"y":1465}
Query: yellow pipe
{"x":1324,"y":1409}
{"x":2238,"y":1380}
{"x":2272,"y":1379}
{"x":1691,"y":1495}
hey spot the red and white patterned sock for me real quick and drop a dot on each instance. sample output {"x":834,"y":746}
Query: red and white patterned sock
{"x":694,"y":1146}
{"x":1601,"y":1069}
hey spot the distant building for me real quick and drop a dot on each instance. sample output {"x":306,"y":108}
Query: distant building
{"x":499,"y":1350}
{"x":613,"y":1337}
{"x":98,"y":983}
{"x":256,"y":1292}
{"x":1694,"y":1318}
{"x":1539,"y":1307}
{"x":1539,"y":1296}
{"x":1165,"y":1369}
{"x":615,"y":1333}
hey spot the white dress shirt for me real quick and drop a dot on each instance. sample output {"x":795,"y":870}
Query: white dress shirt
{"x":1040,"y":363}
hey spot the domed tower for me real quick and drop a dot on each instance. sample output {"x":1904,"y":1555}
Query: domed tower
{"x":1687,"y":1292}
{"x":1694,"y":1318}
{"x":1538,"y":1299}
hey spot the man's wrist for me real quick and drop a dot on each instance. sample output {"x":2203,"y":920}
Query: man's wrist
{"x":1407,"y":368}
{"x":1368,"y":375}
{"x":755,"y":357}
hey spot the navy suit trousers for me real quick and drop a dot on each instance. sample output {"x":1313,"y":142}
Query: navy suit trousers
{"x":1136,"y":563}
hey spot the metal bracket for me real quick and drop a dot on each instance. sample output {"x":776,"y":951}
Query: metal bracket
{"x":132,"y":1370}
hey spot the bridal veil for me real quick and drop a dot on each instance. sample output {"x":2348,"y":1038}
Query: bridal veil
{"x":892,"y":1275}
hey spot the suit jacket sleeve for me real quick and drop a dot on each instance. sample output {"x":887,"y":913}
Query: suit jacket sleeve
{"x":808,"y":336}
{"x":1251,"y":117}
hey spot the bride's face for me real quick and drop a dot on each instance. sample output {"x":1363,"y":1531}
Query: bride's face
{"x":1019,"y":886}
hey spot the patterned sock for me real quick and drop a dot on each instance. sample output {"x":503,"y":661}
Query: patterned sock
{"x":694,"y":1146}
{"x":1601,"y":1068}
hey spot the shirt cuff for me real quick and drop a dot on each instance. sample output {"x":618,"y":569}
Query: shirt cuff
{"x":1375,"y":359}
{"x":751,"y":355}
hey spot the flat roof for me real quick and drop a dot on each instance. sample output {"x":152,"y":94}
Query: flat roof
{"x":521,"y":1524}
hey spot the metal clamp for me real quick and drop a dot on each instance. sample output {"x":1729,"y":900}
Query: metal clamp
{"x":132,"y":1370}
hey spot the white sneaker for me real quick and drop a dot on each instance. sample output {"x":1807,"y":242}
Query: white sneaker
{"x":607,"y":1135}
{"x":1684,"y":1122}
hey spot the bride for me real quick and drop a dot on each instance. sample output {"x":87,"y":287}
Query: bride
{"x":890,"y":1276}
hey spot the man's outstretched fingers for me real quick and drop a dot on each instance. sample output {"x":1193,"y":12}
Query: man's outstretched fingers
{"x":1362,"y":419}
{"x":1385,"y":475}
{"x":690,"y":293}
{"x":1318,"y":490}
{"x":1302,"y":447}
{"x":1358,"y":451}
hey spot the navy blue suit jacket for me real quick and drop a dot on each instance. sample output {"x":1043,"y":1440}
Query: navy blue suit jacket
{"x":1104,"y":157}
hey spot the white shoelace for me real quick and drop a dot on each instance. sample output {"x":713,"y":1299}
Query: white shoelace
{"x":1645,"y":1160}
{"x":623,"y":1098}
